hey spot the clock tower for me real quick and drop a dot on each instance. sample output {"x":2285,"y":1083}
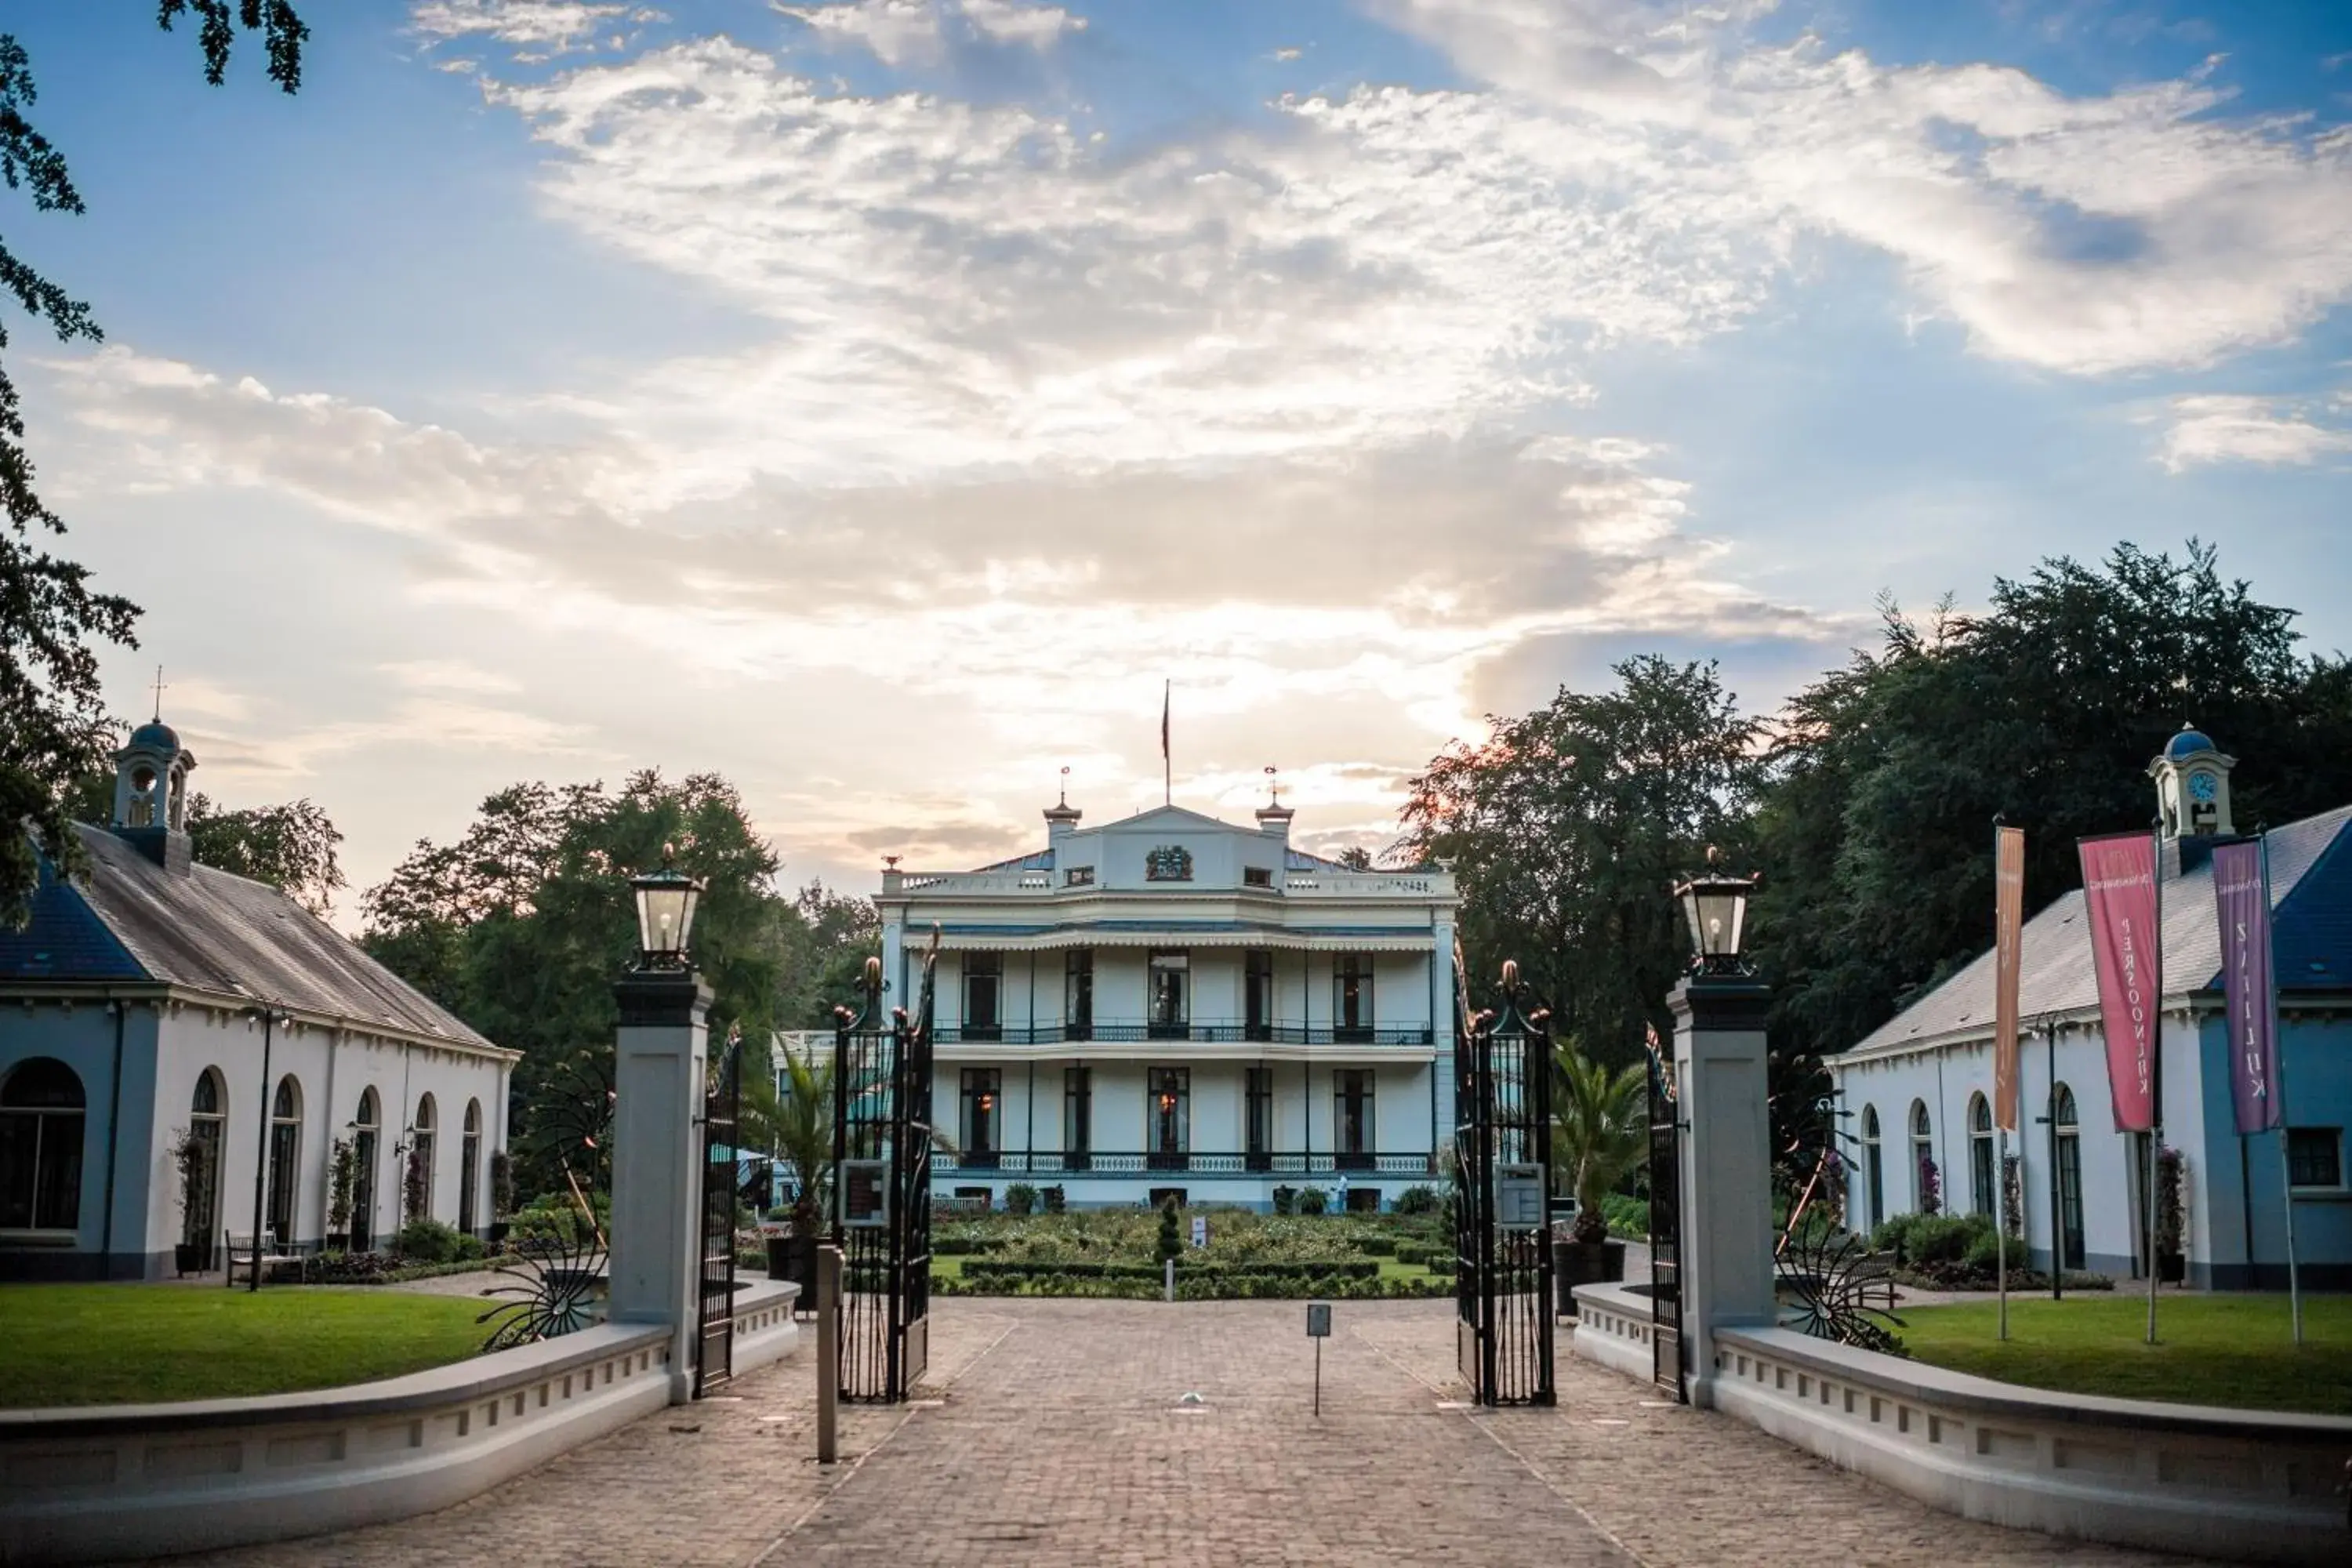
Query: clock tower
{"x":2192,"y":786}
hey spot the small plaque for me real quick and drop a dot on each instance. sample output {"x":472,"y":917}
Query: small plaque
{"x":1318,"y":1319}
{"x":1518,"y":1196}
{"x":865,"y":1194}
{"x":1199,"y":1231}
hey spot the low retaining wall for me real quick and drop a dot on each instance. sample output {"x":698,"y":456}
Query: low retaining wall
{"x":2247,"y":1486}
{"x":89,"y":1485}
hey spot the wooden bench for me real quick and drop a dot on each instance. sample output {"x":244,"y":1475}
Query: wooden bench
{"x":241,"y":1252}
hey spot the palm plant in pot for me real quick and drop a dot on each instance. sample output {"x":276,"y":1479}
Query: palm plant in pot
{"x":1600,"y":1133}
{"x":797,"y":1124}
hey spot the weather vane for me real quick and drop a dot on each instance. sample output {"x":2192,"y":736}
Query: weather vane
{"x":1066,"y":784}
{"x":1273,"y":788}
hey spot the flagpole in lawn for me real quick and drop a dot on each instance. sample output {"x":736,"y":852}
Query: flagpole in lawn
{"x":2155,"y":1067}
{"x":2008,"y":921}
{"x":2278,"y":1071}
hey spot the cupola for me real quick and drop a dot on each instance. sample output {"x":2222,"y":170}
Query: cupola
{"x":150,"y":793}
{"x":1062,"y":817}
{"x":1273,"y":817}
{"x":2192,"y":786}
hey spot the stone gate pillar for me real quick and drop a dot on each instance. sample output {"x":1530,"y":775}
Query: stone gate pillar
{"x":1726,"y":1164}
{"x":658,"y":1084}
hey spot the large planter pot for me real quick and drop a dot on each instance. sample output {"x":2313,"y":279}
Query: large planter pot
{"x":192,"y":1257}
{"x":338,"y":1241}
{"x":497,"y":1237}
{"x":1577,"y":1263}
{"x":794,"y":1259}
{"x":2171,"y":1268}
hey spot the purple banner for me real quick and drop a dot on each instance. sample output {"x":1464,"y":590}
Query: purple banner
{"x":2244,"y":906}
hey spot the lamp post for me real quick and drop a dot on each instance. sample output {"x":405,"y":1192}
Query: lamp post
{"x":1723,"y":1267}
{"x":270,"y":1017}
{"x":659,"y":1091}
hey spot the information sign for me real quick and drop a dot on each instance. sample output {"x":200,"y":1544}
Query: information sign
{"x":865,"y":1194}
{"x":1199,"y":1231}
{"x":1518,"y":1196}
{"x":1318,"y":1319}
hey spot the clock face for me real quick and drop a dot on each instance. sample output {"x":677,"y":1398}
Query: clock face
{"x":2202,"y":787}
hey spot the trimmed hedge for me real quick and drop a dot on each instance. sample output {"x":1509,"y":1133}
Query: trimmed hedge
{"x":1213,"y":1285}
{"x":1009,"y":1270}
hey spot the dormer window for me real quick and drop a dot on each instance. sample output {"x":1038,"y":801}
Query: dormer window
{"x":1079,"y":877}
{"x":1256,"y":877}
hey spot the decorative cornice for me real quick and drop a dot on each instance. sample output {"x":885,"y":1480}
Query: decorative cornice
{"x":662,"y":999}
{"x":1720,"y":1004}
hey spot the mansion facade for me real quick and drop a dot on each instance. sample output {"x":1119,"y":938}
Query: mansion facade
{"x":1173,"y":1004}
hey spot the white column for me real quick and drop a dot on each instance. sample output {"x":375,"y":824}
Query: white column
{"x":1442,"y":985}
{"x":657,"y":1081}
{"x":1726,"y":1184}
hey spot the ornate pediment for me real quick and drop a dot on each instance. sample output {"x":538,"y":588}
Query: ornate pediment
{"x":1167,"y":863}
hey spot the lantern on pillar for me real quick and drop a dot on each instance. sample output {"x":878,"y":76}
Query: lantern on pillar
{"x":1717,"y":907}
{"x":665,"y":904}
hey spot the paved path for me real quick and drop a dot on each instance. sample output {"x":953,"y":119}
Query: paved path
{"x":1056,"y":1433}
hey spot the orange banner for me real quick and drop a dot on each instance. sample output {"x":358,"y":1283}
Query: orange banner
{"x":2009,"y":922}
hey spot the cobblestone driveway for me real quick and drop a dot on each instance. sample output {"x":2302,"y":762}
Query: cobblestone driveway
{"x":1055,"y":1433}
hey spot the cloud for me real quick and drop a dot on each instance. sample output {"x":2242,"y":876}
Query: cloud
{"x":449,"y":675}
{"x":899,"y":32}
{"x":536,"y":29}
{"x":2086,"y":235}
{"x":2209,"y":428}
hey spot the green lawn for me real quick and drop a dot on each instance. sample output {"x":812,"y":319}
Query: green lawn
{"x":112,"y":1344}
{"x":2211,"y":1350}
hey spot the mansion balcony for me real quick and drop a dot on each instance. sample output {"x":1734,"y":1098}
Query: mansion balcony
{"x":1243,"y":1033}
{"x":1178,"y":1162}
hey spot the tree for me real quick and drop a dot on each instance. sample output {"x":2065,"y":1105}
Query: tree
{"x":798,"y":1126}
{"x":290,"y":846}
{"x":1601,"y":1130}
{"x":1567,"y":827}
{"x":1355,"y":857}
{"x":53,"y":724}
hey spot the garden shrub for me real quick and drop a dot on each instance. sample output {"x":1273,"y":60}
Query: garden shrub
{"x":1377,"y":1245}
{"x":1286,"y":1200}
{"x":1171,"y":1239}
{"x":1055,"y":1199}
{"x":470,"y":1247}
{"x":1417,"y":1201}
{"x":1628,"y":1217}
{"x":1313,"y":1200}
{"x":427,"y":1241}
{"x":1019,"y":1198}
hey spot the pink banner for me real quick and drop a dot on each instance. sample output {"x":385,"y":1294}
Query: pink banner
{"x":2119,"y":886}
{"x":2240,"y":895}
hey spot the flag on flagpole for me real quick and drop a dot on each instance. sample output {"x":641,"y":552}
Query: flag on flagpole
{"x":2009,"y":915}
{"x":2119,"y":888}
{"x":2243,"y":903}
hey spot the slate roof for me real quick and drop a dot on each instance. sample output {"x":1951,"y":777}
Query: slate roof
{"x":2311,"y":900}
{"x":208,"y":930}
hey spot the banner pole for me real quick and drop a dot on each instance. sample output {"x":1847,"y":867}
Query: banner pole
{"x":2000,"y":1226}
{"x":2156,"y":1072}
{"x":2286,"y":1165}
{"x":2057,"y":1173}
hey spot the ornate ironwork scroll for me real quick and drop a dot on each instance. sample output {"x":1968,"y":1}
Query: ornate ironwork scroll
{"x":553,"y":1293}
{"x":1503,"y":1278}
{"x":1834,"y":1282}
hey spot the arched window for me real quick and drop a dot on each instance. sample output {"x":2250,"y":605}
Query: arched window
{"x":416,"y":1182}
{"x":367,"y":1129}
{"x":1981,"y":1192}
{"x":284,"y":1158}
{"x":2068,"y":1176}
{"x":40,"y":1146}
{"x":200,"y":1170}
{"x":1874,"y":1171}
{"x":469,"y":1167}
{"x":1928,"y":1184}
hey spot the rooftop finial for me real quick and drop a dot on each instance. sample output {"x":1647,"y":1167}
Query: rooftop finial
{"x":1272,"y":787}
{"x":1066,"y":784}
{"x":159,"y":694}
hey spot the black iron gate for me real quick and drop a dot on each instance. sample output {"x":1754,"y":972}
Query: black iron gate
{"x":882,"y":1189}
{"x":714,"y":1340}
{"x":1502,"y":1150}
{"x":1667,"y":1357}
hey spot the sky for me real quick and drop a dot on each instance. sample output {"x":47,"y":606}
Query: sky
{"x":877,"y":401}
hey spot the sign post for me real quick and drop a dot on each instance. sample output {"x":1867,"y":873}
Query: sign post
{"x":1318,"y":1329}
{"x":829,"y":1350}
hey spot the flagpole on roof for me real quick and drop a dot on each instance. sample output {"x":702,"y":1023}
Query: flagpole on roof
{"x":1167,"y":767}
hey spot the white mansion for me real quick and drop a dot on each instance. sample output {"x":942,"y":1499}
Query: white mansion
{"x":1172,"y":1003}
{"x":156,"y":1005}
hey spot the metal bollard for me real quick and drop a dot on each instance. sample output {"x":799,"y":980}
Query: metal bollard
{"x":829,"y":1350}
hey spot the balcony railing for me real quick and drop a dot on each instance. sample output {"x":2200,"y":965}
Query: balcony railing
{"x":1203,"y":1034}
{"x":1182,"y":1162}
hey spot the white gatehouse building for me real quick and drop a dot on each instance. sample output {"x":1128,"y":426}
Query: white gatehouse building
{"x":1170,"y":1004}
{"x":169,"y":1033}
{"x":1915,"y":1095}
